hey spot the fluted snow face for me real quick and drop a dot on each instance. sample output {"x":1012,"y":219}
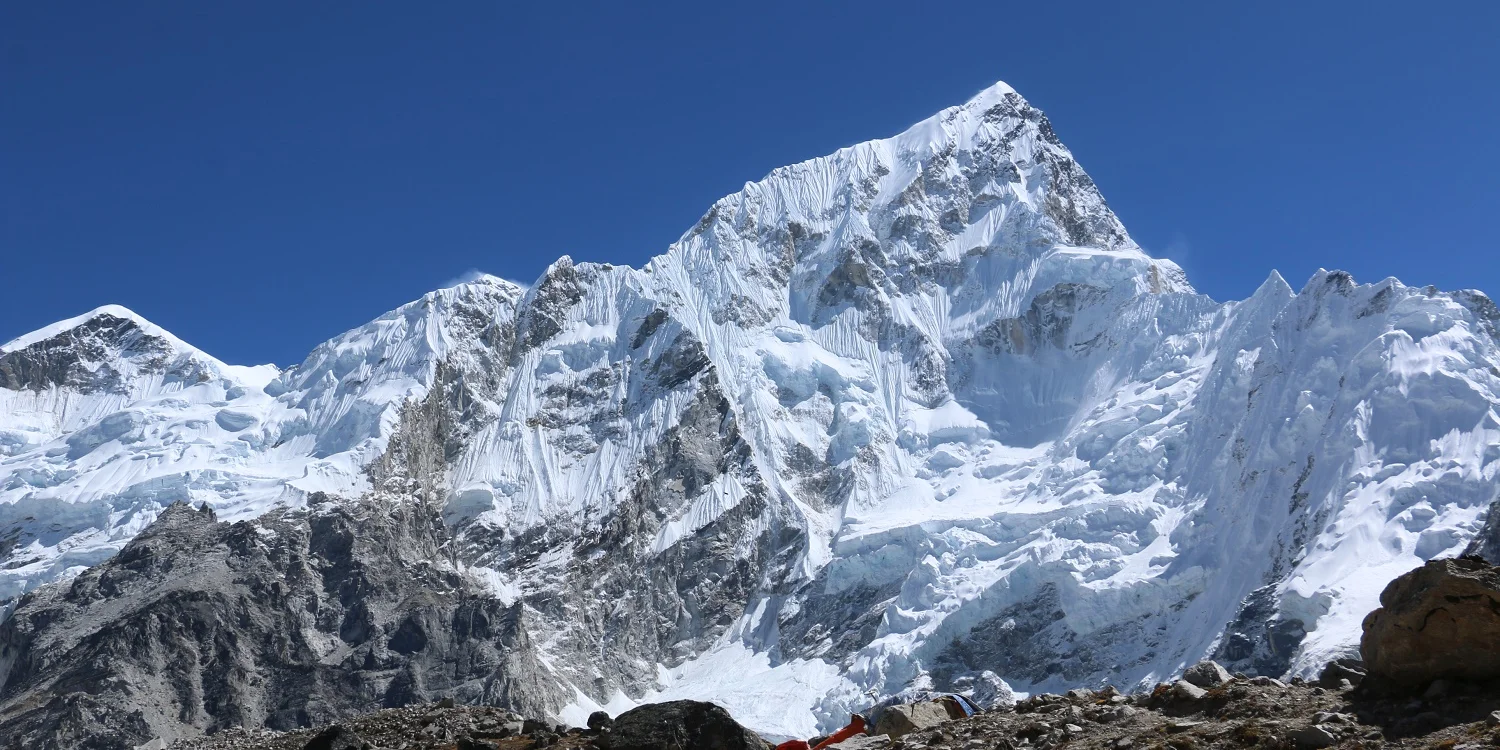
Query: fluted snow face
{"x":925,"y":390}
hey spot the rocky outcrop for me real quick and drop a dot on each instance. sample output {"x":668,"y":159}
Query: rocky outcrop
{"x":680,"y":725}
{"x":337,"y":737}
{"x":1440,"y":621}
{"x":1207,"y":674}
{"x":1486,"y":545}
{"x":298,"y":618}
{"x":905,"y":719}
{"x":1344,"y":672}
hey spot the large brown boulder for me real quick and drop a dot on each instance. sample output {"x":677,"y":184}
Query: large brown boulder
{"x":1440,"y":621}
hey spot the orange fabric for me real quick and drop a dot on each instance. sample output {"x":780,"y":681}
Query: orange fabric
{"x":793,"y":745}
{"x":856,"y":727}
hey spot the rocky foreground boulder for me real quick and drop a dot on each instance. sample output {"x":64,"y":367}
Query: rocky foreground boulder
{"x":907,"y":718}
{"x":1438,"y":622}
{"x":679,"y":725}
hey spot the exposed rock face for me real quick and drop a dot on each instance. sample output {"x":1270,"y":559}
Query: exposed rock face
{"x":298,"y":617}
{"x":89,"y":357}
{"x":680,"y":725}
{"x":1260,"y":640}
{"x":1486,"y":544}
{"x":1440,"y":621}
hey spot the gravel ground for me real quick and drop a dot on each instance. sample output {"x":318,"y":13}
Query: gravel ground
{"x":1239,"y":714}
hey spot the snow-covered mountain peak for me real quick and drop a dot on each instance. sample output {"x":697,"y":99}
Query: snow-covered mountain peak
{"x":1274,"y":282}
{"x":413,"y":336}
{"x":111,"y":348}
{"x":915,"y":414}
{"x":107,"y":332}
{"x":104,"y":315}
{"x":987,"y":97}
{"x":105,"y":419}
{"x":980,"y":205}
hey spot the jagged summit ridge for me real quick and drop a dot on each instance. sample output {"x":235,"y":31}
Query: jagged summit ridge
{"x":915,"y":415}
{"x":113,"y":311}
{"x":116,"y":340}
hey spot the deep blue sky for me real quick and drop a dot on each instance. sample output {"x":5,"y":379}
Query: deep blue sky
{"x":258,"y":177}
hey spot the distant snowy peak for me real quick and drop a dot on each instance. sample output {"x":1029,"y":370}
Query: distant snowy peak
{"x":116,"y":314}
{"x":105,"y":419}
{"x":347,"y":396}
{"x":410,"y":338}
{"x":109,"y":349}
{"x":103,"y":348}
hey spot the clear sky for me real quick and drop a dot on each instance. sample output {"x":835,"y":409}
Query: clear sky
{"x":259,"y":176}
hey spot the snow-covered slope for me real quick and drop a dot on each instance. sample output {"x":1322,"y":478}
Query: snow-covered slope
{"x":105,"y":419}
{"x":915,"y":414}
